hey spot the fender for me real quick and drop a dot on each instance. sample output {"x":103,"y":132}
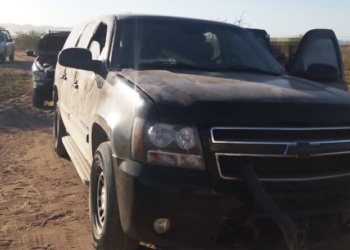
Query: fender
{"x":99,"y":120}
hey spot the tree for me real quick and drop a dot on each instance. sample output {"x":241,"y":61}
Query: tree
{"x":240,"y":21}
{"x":2,"y":28}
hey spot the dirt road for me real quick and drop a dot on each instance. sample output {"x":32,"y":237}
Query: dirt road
{"x":43,"y":203}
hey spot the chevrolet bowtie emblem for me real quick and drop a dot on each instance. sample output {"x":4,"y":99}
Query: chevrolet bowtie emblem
{"x":301,"y":150}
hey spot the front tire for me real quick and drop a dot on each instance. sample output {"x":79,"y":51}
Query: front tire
{"x":37,"y":100}
{"x":3,"y":57}
{"x":106,"y":229}
{"x":59,"y":131}
{"x":12,"y":56}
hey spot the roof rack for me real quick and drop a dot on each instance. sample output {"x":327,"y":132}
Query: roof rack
{"x":57,"y":31}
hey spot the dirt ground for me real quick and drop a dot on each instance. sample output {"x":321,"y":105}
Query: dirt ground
{"x":43,"y":203}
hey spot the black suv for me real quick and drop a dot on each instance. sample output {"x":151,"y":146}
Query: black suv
{"x":190,"y":134}
{"x":43,"y":68}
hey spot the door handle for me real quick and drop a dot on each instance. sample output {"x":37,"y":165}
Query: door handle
{"x":64,"y":77}
{"x":75,"y":85}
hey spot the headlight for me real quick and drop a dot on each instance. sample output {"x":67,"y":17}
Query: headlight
{"x":185,"y":138}
{"x":161,"y":135}
{"x":38,"y":76}
{"x":166,"y":144}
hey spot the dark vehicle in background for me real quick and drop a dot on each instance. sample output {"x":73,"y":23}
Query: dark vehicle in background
{"x":43,"y":68}
{"x":190,"y":134}
{"x":7,"y":46}
{"x":263,"y":37}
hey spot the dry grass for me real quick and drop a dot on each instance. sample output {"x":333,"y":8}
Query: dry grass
{"x":13,"y":80}
{"x":346,"y":59}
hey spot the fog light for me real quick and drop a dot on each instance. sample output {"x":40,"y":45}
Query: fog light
{"x":161,"y":226}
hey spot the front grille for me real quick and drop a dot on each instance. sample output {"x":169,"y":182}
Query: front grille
{"x":279,"y":135}
{"x":284,"y":168}
{"x":304,"y":153}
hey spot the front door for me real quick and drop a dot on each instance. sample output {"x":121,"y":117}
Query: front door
{"x":86,"y":86}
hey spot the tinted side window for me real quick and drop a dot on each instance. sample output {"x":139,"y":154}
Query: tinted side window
{"x":94,"y":39}
{"x":74,"y":36}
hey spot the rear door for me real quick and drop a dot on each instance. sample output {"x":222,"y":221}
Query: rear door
{"x":9,"y":44}
{"x":318,"y":58}
{"x":78,"y":88}
{"x":64,"y":78}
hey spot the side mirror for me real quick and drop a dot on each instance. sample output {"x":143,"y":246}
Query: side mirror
{"x":30,"y":53}
{"x":78,"y":58}
{"x":10,"y":40}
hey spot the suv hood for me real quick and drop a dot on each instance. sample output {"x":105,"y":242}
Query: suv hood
{"x":51,"y":43}
{"x":241,"y":98}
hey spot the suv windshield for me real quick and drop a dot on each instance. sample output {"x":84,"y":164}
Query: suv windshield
{"x":179,"y":43}
{"x":2,"y":37}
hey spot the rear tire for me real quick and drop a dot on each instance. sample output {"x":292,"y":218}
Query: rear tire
{"x":37,"y":100}
{"x":12,"y":56}
{"x":59,"y":131}
{"x":106,"y":229}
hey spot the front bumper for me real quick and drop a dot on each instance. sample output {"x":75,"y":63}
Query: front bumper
{"x":43,"y":89}
{"x":201,"y":217}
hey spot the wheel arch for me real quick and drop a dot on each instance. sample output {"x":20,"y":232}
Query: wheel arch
{"x":55,"y":94}
{"x":99,"y":133}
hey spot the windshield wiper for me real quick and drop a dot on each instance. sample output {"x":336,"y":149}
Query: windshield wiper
{"x":252,"y":70}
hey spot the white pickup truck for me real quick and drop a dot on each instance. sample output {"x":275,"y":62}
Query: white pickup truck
{"x":7,"y":46}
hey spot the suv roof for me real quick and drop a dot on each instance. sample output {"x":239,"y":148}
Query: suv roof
{"x":5,"y":31}
{"x":120,"y":16}
{"x":151,"y":16}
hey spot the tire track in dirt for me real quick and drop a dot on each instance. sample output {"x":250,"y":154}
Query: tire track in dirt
{"x":43,"y":203}
{"x":45,"y":241}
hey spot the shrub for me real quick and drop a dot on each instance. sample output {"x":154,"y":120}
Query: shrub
{"x":26,"y":40}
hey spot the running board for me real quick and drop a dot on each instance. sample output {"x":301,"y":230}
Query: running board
{"x":81,"y":165}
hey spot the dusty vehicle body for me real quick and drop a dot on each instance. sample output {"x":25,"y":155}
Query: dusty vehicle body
{"x":7,"y":46}
{"x":46,"y":50}
{"x":184,"y":145}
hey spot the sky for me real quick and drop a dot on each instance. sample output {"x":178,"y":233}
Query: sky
{"x":281,"y":18}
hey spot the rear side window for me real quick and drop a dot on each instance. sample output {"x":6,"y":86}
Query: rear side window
{"x":2,"y":37}
{"x":74,"y":36}
{"x":87,"y":35}
{"x":7,"y":36}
